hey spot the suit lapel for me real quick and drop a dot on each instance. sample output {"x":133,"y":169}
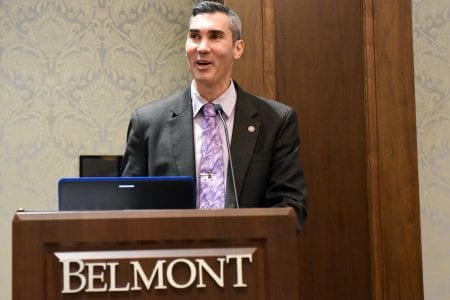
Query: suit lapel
{"x":181,"y":134}
{"x":245,"y":133}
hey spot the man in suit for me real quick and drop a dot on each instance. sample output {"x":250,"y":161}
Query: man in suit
{"x":165,"y":137}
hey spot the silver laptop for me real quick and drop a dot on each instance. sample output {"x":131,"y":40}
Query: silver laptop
{"x":123,"y":193}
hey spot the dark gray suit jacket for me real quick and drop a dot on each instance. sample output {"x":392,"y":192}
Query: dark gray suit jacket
{"x":266,"y":162}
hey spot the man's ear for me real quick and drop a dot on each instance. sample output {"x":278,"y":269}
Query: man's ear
{"x":238,"y":49}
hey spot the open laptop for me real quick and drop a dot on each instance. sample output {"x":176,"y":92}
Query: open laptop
{"x":123,"y":193}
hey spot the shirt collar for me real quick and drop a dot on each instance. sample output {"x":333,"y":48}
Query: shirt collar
{"x":227,"y":100}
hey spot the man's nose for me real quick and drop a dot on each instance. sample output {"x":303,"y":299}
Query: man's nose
{"x":203,"y":46}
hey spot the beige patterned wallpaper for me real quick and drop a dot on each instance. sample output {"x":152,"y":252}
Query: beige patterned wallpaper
{"x":71,"y":71}
{"x":431,"y":19}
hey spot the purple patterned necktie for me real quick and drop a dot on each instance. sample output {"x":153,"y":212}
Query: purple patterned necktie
{"x":211,"y":186}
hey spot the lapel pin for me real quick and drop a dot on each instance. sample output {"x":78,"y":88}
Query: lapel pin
{"x":251,"y":129}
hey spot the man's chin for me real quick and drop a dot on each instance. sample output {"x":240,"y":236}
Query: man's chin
{"x":204,"y":80}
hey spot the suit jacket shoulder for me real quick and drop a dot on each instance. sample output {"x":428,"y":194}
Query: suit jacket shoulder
{"x":164,"y":108}
{"x":160,"y":138}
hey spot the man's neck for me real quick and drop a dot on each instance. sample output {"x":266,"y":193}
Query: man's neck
{"x":210,"y":93}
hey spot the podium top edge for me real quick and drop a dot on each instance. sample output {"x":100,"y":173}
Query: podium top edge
{"x":23,"y":215}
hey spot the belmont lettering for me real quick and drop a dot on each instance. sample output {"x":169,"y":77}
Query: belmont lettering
{"x":90,"y":277}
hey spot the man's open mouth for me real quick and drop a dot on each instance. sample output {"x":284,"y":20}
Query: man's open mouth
{"x":203,"y":62}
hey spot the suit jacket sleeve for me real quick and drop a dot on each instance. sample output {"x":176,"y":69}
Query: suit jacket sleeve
{"x":286,"y":184}
{"x":136,"y":151}
{"x":265,"y":148}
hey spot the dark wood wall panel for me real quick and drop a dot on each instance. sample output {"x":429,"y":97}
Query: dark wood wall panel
{"x":347,"y":69}
{"x":320,"y":72}
{"x":249,"y":69}
{"x":397,"y":143}
{"x":255,"y":70}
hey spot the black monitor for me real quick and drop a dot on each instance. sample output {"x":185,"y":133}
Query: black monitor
{"x":100,"y":165}
{"x":123,"y":193}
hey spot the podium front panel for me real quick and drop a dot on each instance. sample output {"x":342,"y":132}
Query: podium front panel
{"x":179,"y":254}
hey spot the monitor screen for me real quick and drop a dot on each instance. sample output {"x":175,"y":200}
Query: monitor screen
{"x":122,"y":193}
{"x":100,"y":165}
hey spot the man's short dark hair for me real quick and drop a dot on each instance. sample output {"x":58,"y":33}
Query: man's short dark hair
{"x":209,"y":7}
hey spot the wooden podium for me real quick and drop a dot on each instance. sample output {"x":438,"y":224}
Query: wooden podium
{"x":177,"y":254}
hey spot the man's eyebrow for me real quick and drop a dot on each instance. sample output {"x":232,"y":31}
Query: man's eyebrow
{"x":217,"y":32}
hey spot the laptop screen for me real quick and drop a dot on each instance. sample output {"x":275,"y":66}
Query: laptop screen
{"x":122,"y":193}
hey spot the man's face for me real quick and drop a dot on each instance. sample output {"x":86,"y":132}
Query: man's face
{"x":210,"y":50}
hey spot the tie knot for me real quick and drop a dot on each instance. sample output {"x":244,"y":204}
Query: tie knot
{"x":208,"y":110}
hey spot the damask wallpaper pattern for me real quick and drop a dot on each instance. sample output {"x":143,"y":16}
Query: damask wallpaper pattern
{"x":71,"y":72}
{"x":431,"y":27}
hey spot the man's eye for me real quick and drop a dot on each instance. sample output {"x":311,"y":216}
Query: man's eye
{"x":194,"y":36}
{"x":216,"y":36}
